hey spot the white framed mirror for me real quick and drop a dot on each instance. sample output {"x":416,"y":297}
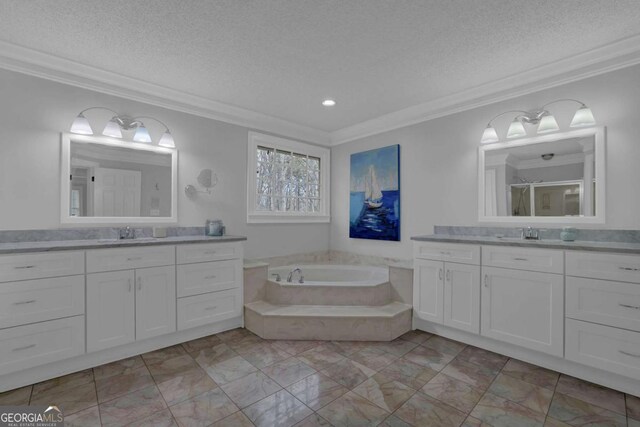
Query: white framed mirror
{"x":556,"y":178}
{"x":109,"y":181}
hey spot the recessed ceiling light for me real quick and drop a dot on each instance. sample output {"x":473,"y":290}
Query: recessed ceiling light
{"x":328,"y":102}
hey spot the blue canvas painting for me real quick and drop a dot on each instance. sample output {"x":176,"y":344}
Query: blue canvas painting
{"x":374,"y":210}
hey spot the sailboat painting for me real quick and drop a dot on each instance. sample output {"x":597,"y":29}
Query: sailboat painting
{"x":374,"y":209}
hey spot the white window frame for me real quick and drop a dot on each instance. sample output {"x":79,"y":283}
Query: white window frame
{"x":265,"y":217}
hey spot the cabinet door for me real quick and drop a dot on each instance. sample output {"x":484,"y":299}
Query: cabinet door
{"x":110,"y":309}
{"x":428,"y":284}
{"x":462,"y":297}
{"x":155,"y":301}
{"x":523,"y":308}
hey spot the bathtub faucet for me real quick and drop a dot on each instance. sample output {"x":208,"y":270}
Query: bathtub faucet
{"x":292,"y":272}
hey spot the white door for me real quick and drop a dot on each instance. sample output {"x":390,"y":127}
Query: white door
{"x":523,"y":308}
{"x":462,"y":297}
{"x":428,"y":283}
{"x":155,"y":301}
{"x":116,"y":192}
{"x":110,"y":309}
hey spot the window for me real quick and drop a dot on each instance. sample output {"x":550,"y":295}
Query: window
{"x":287,"y":181}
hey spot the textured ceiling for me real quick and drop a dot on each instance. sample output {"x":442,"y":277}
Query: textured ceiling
{"x":282,"y":58}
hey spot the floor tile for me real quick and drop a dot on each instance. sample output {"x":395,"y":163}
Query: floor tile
{"x":479,"y":377}
{"x":320,"y":357}
{"x":384,"y":392}
{"x":444,"y":345}
{"x":119,"y":385}
{"x":70,"y":400}
{"x":186,"y":385}
{"x":118,"y":367}
{"x":531,"y":373}
{"x":288,"y":371}
{"x":422,"y":410}
{"x":216,"y":354}
{"x":246,"y":343}
{"x":65,"y":382}
{"x":396,"y":347}
{"x":429,"y":358}
{"x":347,"y":348}
{"x":132,"y":407}
{"x":633,"y":423}
{"x":352,"y":410}
{"x":349,"y":373}
{"x":633,"y":407}
{"x":373,"y":358}
{"x":409,"y":373}
{"x":479,"y":356}
{"x":18,"y":396}
{"x":230,"y":370}
{"x":393,"y":421}
{"x":89,"y":417}
{"x":265,"y":356}
{"x":531,"y":396}
{"x":237,"y":419}
{"x":159,"y":419}
{"x":577,"y":412}
{"x":203,"y":343}
{"x":234,"y":334}
{"x":280,"y":409}
{"x":416,"y":336}
{"x":552,"y":422}
{"x":592,"y":393}
{"x":455,"y":393}
{"x":313,"y":420}
{"x":250,"y":389}
{"x":159,"y":356}
{"x":204,"y":409}
{"x":295,"y":347}
{"x":317,"y":390}
{"x":170,"y":368}
{"x":500,"y":412}
{"x":474,"y":422}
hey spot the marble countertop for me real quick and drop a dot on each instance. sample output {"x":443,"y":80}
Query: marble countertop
{"x":578,"y":245}
{"x":69,"y":245}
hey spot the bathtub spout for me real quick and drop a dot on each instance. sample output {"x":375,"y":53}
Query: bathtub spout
{"x":292,"y":272}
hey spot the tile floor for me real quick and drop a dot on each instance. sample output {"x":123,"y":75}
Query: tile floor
{"x":237,"y":379}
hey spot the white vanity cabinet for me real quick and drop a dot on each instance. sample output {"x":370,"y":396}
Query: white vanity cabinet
{"x":447,"y":285}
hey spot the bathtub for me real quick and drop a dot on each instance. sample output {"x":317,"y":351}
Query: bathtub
{"x":333,"y":275}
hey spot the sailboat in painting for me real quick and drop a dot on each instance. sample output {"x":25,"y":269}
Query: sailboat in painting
{"x":373,"y":192}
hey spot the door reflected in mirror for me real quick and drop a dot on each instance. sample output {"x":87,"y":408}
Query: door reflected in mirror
{"x":545,"y":177}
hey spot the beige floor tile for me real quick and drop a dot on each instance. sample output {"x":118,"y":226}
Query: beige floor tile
{"x":409,"y":373}
{"x":132,"y":407}
{"x":170,"y":368}
{"x":444,"y":345}
{"x":288,"y":371}
{"x":483,"y":357}
{"x":349,"y":373}
{"x":237,"y":419}
{"x":479,"y":377}
{"x":416,"y":336}
{"x":313,"y":420}
{"x":577,"y":412}
{"x":531,"y":396}
{"x":18,"y":396}
{"x":500,"y":412}
{"x":353,"y":410}
{"x":633,"y":406}
{"x":384,"y":392}
{"x":251,"y":388}
{"x":89,"y":417}
{"x":119,"y":385}
{"x":422,"y":410}
{"x":159,"y":356}
{"x":65,"y":382}
{"x":454,"y":392}
{"x":118,"y":367}
{"x":230,"y":370}
{"x":317,"y":390}
{"x":204,"y":409}
{"x":186,"y":385}
{"x":69,"y":400}
{"x":592,"y":393}
{"x":204,"y":343}
{"x":280,"y":409}
{"x":373,"y":358}
{"x":159,"y":419}
{"x":429,"y":358}
{"x":295,"y":347}
{"x":320,"y":357}
{"x":532,"y":374}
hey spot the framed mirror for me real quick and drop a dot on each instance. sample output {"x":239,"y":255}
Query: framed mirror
{"x":558,"y":178}
{"x":110,"y":181}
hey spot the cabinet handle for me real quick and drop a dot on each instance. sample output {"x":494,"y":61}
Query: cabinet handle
{"x":486,"y":280}
{"x":31,"y":301}
{"x":26,"y":347}
{"x":629,"y":354}
{"x":210,"y":277}
{"x":211,"y":308}
{"x":134,"y":258}
{"x":629,"y":269}
{"x":139,"y":283}
{"x":635,"y":307}
{"x":129,"y":285}
{"x":439,"y":274}
{"x":520,"y":259}
{"x":448,"y":275}
{"x":24,"y":267}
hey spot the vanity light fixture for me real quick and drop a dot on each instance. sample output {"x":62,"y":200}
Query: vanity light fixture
{"x":542,"y":117}
{"x":118,"y":123}
{"x":329,"y":102}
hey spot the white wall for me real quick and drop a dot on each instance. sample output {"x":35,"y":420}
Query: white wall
{"x":34,"y":111}
{"x":439,"y":161}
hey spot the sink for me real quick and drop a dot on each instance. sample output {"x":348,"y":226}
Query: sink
{"x":137,"y":239}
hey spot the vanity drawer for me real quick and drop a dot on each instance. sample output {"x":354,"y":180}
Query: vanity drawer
{"x":451,"y":252}
{"x":38,"y":300}
{"x":610,"y":303}
{"x":99,"y":260}
{"x":27,"y":346}
{"x":194,"y":279}
{"x":624,"y":268}
{"x":611,"y":349}
{"x":40,"y":265}
{"x":209,"y":308}
{"x":203,"y":252}
{"x":518,"y":258}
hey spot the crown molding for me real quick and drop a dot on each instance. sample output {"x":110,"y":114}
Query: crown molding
{"x":620,"y":54}
{"x":50,"y":67}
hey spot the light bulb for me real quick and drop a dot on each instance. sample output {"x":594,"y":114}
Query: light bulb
{"x":142,"y":134}
{"x":548,"y":124}
{"x":328,"y":102}
{"x":583,"y":117}
{"x":167,"y":140}
{"x":112,"y":129}
{"x":516,"y":129}
{"x":81,"y":125}
{"x":489,"y":135}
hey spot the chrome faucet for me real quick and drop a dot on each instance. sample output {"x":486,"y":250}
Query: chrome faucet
{"x":529,"y":233}
{"x":277,"y":276}
{"x":127,"y":233}
{"x":292,"y":272}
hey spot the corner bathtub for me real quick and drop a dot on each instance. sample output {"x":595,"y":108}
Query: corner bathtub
{"x":333,"y":275}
